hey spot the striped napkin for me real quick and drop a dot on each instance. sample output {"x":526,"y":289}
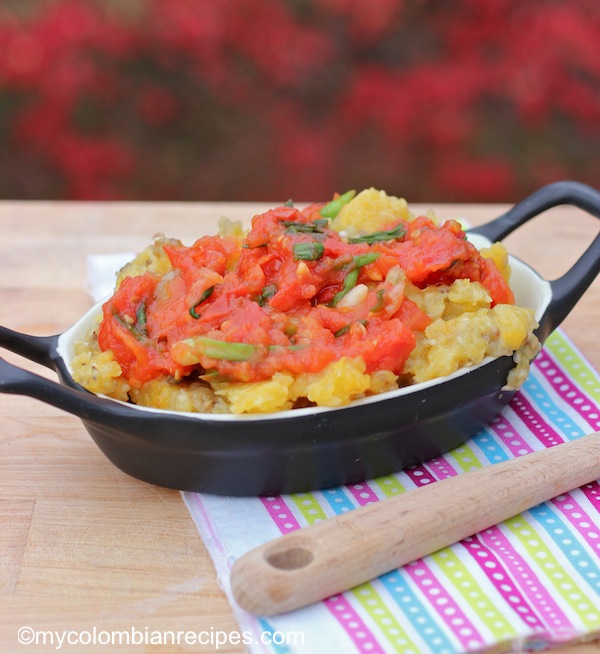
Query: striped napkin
{"x":524,"y":585}
{"x":527,"y":584}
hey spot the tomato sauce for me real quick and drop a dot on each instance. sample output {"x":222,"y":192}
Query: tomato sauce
{"x":293,"y":296}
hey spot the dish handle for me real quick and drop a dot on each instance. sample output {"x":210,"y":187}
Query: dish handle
{"x":42,"y":349}
{"x":35,"y":348}
{"x":16,"y":380}
{"x":568,"y":289}
{"x":86,"y":406}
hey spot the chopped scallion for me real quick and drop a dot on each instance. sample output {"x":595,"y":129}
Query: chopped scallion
{"x":299,"y":227}
{"x":378,"y":306}
{"x":308,"y":251}
{"x":140,"y":317}
{"x":342,"y":331}
{"x":349,"y":283}
{"x":331,"y":209}
{"x":207,"y":293}
{"x":365,"y":259}
{"x":398,"y":232}
{"x":346,"y":329}
{"x":289,"y":348}
{"x":267,"y":292}
{"x":138,"y":327}
{"x":216,"y":349}
{"x":352,"y":277}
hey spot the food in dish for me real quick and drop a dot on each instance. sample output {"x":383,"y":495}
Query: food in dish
{"x":318,"y":305}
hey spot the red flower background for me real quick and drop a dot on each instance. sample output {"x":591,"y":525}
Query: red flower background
{"x":470,"y":100}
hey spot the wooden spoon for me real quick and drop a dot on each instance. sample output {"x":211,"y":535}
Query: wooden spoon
{"x":334,"y":555}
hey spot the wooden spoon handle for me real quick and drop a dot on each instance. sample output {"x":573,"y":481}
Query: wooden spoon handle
{"x":334,"y":555}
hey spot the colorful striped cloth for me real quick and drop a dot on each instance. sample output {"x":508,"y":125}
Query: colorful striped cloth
{"x":526,"y":584}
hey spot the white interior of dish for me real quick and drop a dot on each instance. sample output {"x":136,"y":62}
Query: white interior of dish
{"x":529,"y":288}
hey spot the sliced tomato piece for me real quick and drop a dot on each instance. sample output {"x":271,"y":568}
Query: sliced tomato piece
{"x":412,"y":316}
{"x":497,"y":286}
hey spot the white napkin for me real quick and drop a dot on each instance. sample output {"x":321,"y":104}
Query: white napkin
{"x":102,"y":273}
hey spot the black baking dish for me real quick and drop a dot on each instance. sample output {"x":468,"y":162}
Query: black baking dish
{"x":312,"y":448}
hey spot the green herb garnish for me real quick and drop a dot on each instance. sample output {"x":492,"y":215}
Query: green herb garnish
{"x":207,"y":293}
{"x":290,"y":348}
{"x":308,"y":251}
{"x":376,"y":237}
{"x":331,"y":209}
{"x":140,"y":317}
{"x":363,"y":259}
{"x":298,"y":227}
{"x":346,"y":329}
{"x":138,"y":328}
{"x":245,"y":246}
{"x":216,"y":349}
{"x":226,"y":350}
{"x":352,"y":277}
{"x":348,"y":284}
{"x":378,"y":306}
{"x":267,"y":293}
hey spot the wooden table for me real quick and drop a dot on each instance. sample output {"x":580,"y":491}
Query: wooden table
{"x":82,"y":545}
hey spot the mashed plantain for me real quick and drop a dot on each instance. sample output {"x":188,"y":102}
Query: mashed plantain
{"x":318,"y":306}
